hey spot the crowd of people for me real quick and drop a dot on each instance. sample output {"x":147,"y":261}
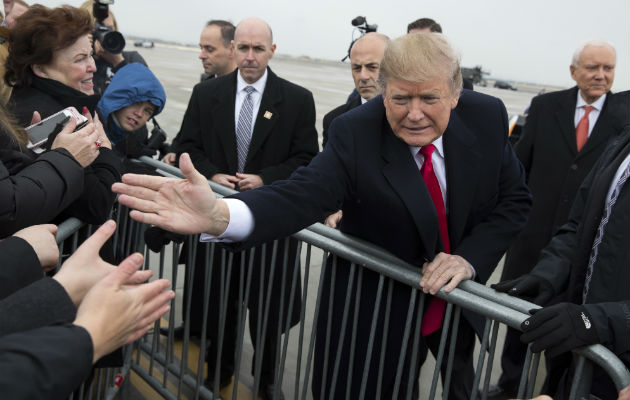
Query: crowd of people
{"x":415,"y":162}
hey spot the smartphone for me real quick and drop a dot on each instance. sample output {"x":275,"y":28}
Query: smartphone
{"x":39,"y":133}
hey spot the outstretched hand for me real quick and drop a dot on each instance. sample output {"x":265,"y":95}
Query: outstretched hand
{"x":85,"y":267}
{"x":186,"y":206}
{"x":116,"y":313}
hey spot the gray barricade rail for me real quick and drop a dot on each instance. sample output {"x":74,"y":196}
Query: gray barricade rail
{"x":175,"y":368}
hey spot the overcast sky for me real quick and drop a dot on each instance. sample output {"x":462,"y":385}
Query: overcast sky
{"x":528,"y":40}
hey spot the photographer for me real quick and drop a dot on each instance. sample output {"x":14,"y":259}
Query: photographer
{"x":107,"y":62}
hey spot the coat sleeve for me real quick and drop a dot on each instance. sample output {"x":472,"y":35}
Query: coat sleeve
{"x":304,"y":145}
{"x":45,"y":363}
{"x":96,"y":200}
{"x":190,"y":137}
{"x":39,"y":192}
{"x":42,"y":303}
{"x":20,"y":267}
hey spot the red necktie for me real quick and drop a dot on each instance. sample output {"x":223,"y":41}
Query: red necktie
{"x":432,"y":319}
{"x":581,"y":131}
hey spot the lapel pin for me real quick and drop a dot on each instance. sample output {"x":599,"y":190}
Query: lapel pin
{"x":268,"y":115}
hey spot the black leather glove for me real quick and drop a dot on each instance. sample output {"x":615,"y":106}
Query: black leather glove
{"x":156,"y":238}
{"x":559,"y":328}
{"x":527,"y":287}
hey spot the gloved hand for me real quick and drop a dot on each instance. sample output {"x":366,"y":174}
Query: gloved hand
{"x":527,"y":287}
{"x":132,"y":147}
{"x":559,"y":328}
{"x":156,"y":238}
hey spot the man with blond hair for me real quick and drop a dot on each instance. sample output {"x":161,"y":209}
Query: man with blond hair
{"x":421,"y":171}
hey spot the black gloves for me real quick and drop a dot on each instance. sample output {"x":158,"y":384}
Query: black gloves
{"x":528,"y":287}
{"x":559,"y":328}
{"x":156,"y":238}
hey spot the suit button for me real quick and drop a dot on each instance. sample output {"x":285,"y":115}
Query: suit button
{"x":574,"y":167}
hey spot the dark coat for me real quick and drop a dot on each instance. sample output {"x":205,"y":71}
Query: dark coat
{"x":95,"y":199}
{"x":565,"y":260}
{"x":555,"y":170}
{"x":279,"y":145}
{"x":42,"y":356}
{"x":353,"y":102}
{"x":369,"y":173}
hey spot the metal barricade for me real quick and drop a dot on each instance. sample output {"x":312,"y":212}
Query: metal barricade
{"x":336,"y":349}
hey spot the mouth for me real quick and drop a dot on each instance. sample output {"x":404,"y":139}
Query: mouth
{"x":87,"y":82}
{"x":417,"y":130}
{"x":132,"y":121}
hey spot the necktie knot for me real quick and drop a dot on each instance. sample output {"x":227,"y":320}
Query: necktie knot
{"x":427,"y":152}
{"x":249,"y":89}
{"x":587,"y":110}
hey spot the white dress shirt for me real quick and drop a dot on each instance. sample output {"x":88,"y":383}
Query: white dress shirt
{"x":259,"y":87}
{"x":592,"y":117}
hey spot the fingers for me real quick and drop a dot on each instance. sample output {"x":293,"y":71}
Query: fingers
{"x":144,"y":181}
{"x":98,"y":238}
{"x":36,"y":119}
{"x":52,"y":228}
{"x":139,"y":277}
{"x":189,"y":171}
{"x":445,"y":268}
{"x":70,"y":126}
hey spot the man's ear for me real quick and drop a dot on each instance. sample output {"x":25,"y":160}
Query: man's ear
{"x":39,"y":71}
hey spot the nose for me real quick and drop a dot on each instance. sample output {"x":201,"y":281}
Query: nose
{"x":91,"y":67}
{"x":203,"y":55}
{"x":250,"y":54}
{"x":363,"y":74}
{"x":599,"y":74}
{"x":414,"y":110}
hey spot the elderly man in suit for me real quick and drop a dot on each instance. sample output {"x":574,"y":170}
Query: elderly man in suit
{"x":425,"y":171}
{"x":565,"y":133}
{"x":243,"y":130}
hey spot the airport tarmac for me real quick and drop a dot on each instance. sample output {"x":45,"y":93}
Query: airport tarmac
{"x":179,"y":69}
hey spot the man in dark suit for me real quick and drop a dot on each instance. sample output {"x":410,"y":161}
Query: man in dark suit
{"x":586,"y":266}
{"x":556,"y":163}
{"x":244,"y":130}
{"x":467,"y":196}
{"x":365,"y":58}
{"x":217,"y":58}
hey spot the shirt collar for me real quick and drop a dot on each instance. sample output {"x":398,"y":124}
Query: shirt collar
{"x":598,"y":104}
{"x":439,"y":147}
{"x":259,"y":85}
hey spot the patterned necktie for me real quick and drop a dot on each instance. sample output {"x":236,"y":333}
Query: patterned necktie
{"x":432,"y":319}
{"x":244,"y":128}
{"x":601,"y":228}
{"x":581,"y":131}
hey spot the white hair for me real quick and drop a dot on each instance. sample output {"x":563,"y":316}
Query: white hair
{"x":595,"y":43}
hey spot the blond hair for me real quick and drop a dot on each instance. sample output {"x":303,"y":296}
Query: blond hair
{"x":418,"y":57}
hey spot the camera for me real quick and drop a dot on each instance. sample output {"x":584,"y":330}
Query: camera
{"x":112,"y":41}
{"x":361,"y":25}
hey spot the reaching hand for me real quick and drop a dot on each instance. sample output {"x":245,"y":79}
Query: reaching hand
{"x":116,"y":313}
{"x":186,"y":206}
{"x":42,"y":239}
{"x":528,"y":287}
{"x":85,"y":268}
{"x":559,"y":328}
{"x":445,"y":269}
